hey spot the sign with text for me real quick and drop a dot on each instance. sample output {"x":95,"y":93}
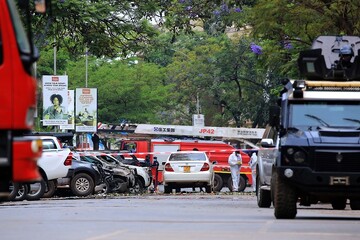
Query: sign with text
{"x":55,"y":100}
{"x":86,"y":110}
{"x":71,"y":112}
{"x":235,"y":133}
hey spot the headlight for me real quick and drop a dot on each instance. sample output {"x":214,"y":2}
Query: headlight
{"x":299,"y":157}
{"x":294,"y":155}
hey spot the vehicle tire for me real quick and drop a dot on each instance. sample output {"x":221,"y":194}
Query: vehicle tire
{"x":82,"y":185}
{"x":208,"y":188}
{"x":218,"y":183}
{"x":338,"y":203}
{"x":102,"y":188}
{"x":355,"y":204}
{"x":242,"y":184}
{"x":263,"y":197}
{"x":22,"y":192}
{"x":50,"y":189}
{"x":285,"y":198}
{"x":167,"y":189}
{"x":36,"y":190}
{"x":119,"y":186}
{"x":13,"y":189}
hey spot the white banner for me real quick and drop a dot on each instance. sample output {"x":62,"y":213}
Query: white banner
{"x":236,"y":133}
{"x":55,"y":100}
{"x":86,"y":110}
{"x":71,"y":112}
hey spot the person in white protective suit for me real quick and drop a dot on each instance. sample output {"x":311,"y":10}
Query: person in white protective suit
{"x":235,"y":162}
{"x":252,"y":163}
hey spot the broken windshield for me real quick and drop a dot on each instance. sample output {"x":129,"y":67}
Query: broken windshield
{"x":310,"y":115}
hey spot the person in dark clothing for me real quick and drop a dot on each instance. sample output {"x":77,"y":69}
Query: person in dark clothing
{"x":346,"y":53}
{"x":95,"y":138}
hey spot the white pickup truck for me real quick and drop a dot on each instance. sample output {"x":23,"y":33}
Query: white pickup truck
{"x":54,"y":163}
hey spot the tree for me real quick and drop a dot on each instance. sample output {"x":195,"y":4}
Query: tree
{"x":291,"y":26}
{"x":127,"y":89}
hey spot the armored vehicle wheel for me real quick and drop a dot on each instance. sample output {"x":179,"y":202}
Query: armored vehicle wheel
{"x":263,"y":197}
{"x":285,"y":198}
{"x":218,"y":183}
{"x":338,"y":203}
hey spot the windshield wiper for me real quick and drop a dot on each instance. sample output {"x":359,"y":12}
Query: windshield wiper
{"x":318,"y":119}
{"x":352,"y":120}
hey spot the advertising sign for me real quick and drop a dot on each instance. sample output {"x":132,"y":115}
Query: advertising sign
{"x":86,"y":110}
{"x":55,"y":100}
{"x":71,"y":112}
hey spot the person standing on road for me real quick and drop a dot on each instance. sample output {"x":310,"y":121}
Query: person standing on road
{"x":235,"y":162}
{"x":252,"y":163}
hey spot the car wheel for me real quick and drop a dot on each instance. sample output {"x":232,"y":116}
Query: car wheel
{"x":218,"y":183}
{"x":21,"y":193}
{"x":50,"y":189}
{"x":263,"y":197}
{"x":208,"y":189}
{"x":13,"y":189}
{"x":138,"y":188}
{"x":82,"y":185}
{"x":102,"y":188}
{"x":119,"y":186}
{"x":36,"y":190}
{"x":167,"y":189}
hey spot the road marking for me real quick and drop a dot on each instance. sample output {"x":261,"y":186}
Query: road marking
{"x":107,"y":236}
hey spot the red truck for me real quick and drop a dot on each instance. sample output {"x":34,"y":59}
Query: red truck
{"x":18,"y":153}
{"x":218,"y":151}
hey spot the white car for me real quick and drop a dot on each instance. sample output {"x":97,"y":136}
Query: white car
{"x":188,"y":169}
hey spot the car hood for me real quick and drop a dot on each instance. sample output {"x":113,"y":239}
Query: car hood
{"x":322,"y":136}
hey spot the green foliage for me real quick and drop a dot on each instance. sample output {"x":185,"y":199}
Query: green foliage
{"x":127,"y":89}
{"x":183,"y":55}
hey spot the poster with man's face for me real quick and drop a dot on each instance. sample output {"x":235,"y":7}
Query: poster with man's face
{"x":86,"y":110}
{"x":55,"y":100}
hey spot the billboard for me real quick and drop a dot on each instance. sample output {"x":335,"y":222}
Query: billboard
{"x":86,"y":110}
{"x":55,"y":100}
{"x":71,"y":112}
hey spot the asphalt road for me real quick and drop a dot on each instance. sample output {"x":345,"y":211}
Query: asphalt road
{"x":173,"y":216}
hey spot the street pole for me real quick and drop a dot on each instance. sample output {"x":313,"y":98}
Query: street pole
{"x":86,"y":67}
{"x":55,"y":56}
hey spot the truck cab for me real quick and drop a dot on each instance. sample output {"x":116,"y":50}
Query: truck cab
{"x":316,"y":156}
{"x":18,"y":154}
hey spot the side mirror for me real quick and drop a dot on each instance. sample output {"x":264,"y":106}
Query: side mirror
{"x":214,"y":162}
{"x":267,"y":143}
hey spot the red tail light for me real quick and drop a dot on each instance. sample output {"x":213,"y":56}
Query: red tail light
{"x":205,"y":167}
{"x":68,"y":160}
{"x":168,"y":168}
